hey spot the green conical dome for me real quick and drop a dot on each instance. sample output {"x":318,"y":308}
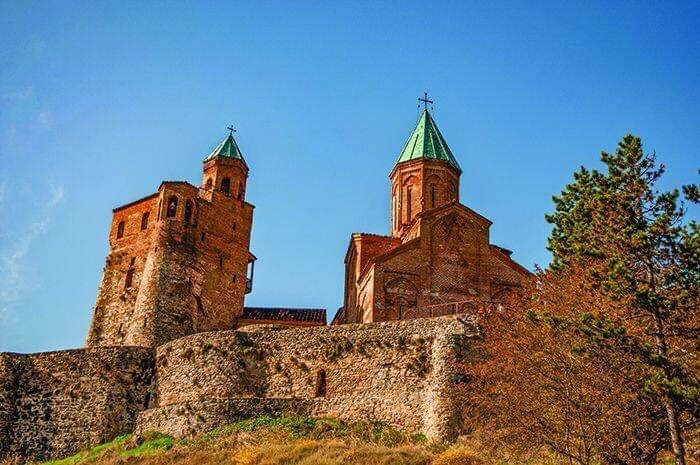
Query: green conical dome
{"x":227,"y":148}
{"x":427,"y":142}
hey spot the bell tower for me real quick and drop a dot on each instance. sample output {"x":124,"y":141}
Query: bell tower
{"x":425,"y":176}
{"x":225,"y":170}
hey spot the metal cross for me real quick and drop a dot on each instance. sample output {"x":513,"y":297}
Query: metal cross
{"x":425,"y":100}
{"x":231,"y":129}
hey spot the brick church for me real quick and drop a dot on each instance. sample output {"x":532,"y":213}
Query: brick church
{"x":438,"y":259}
{"x":180,"y":262}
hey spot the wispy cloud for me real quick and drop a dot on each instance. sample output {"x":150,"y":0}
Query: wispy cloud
{"x":44,"y":119}
{"x":57,"y":194}
{"x":21,"y":94}
{"x":13,"y":268}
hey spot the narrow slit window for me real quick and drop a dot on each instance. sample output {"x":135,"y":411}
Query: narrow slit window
{"x":129,"y":278}
{"x":188,"y":211}
{"x":120,"y":230}
{"x":321,"y":383}
{"x":409,"y":213}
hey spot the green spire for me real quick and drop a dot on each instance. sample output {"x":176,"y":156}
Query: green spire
{"x":227,"y":148}
{"x":427,"y":142}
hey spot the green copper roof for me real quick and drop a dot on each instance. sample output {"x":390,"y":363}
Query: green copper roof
{"x":427,"y":142}
{"x":227,"y":148}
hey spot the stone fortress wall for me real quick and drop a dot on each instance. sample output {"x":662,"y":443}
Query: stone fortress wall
{"x":406,"y":374}
{"x":55,"y":403}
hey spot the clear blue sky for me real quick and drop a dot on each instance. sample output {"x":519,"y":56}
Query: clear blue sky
{"x":100,"y":101}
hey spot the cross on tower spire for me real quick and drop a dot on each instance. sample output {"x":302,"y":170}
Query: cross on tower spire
{"x":425,"y":101}
{"x":231,"y":129}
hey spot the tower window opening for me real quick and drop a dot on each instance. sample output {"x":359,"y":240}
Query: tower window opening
{"x":226,"y":186}
{"x":320,"y":384}
{"x":171,"y":211}
{"x":432,"y":195}
{"x":129,"y":278}
{"x":188,"y":211}
{"x":208,"y":184}
{"x":120,"y":230}
{"x":233,"y":278}
{"x":144,"y":220}
{"x":221,"y":261}
{"x":409,"y":213}
{"x":202,"y":236}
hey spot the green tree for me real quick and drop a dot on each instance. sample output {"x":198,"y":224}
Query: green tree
{"x":643,"y":253}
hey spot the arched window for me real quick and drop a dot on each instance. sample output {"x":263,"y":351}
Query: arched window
{"x":188,"y":211}
{"x":120,"y":230}
{"x":321,"y":383}
{"x":208,"y":184}
{"x":171,"y":211}
{"x":432,"y":196}
{"x":144,"y":221}
{"x":226,"y":186}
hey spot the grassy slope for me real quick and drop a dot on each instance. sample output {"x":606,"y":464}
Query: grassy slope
{"x":267,"y":441}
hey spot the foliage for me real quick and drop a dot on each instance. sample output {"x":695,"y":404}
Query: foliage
{"x":642,"y":253}
{"x":542,"y":383}
{"x":599,"y":363}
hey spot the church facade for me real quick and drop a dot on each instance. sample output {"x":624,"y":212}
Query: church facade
{"x":438,"y":259}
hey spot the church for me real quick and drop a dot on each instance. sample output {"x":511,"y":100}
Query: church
{"x":180,"y":261}
{"x":438,"y":259}
{"x":173,"y":348}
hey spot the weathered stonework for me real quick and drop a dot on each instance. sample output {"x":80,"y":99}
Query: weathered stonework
{"x":398,"y":373}
{"x":405,"y":374}
{"x":54,"y":403}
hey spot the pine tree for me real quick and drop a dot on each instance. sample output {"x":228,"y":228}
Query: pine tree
{"x":643,"y":253}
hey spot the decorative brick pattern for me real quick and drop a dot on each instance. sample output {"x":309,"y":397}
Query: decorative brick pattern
{"x":438,"y":254}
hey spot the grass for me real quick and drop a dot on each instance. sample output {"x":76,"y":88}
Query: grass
{"x":285,"y":440}
{"x":120,"y":447}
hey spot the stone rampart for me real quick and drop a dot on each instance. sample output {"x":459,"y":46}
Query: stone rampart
{"x":406,"y":374}
{"x":400,"y":373}
{"x":54,"y":403}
